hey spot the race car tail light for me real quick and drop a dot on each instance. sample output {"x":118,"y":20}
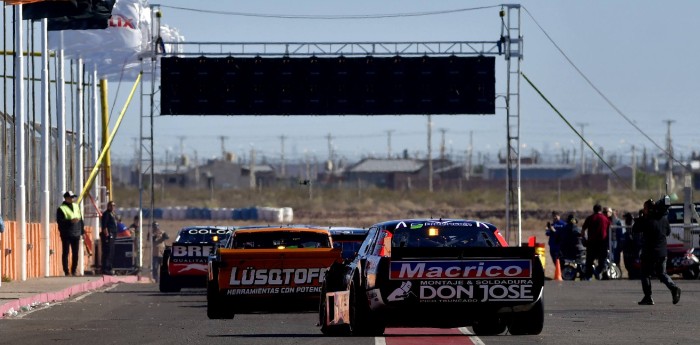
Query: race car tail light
{"x":215,"y":238}
{"x":500,"y":238}
{"x":385,"y":244}
{"x":433,"y":232}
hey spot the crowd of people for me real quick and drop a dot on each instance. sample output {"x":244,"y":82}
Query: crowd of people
{"x":605,"y":239}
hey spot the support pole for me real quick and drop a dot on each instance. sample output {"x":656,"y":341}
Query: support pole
{"x":79,"y":150}
{"x":105,"y":129}
{"x":45,"y":200}
{"x":95,"y":140}
{"x":20,"y":136}
{"x":61,"y":122}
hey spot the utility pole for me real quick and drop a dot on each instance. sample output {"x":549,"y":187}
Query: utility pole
{"x":282,"y":170}
{"x":669,"y":162}
{"x":442,"y":143}
{"x":330,"y":146}
{"x":634,"y":169}
{"x":223,"y":146}
{"x":182,"y":145}
{"x":388,"y":143}
{"x":307,"y":163}
{"x":470,"y":151}
{"x":430,"y":155}
{"x":252,"y":168}
{"x":583,"y":156}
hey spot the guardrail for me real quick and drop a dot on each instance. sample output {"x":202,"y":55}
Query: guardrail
{"x":10,"y":251}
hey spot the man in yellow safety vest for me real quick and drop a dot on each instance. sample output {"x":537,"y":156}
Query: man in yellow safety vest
{"x":70,"y":227}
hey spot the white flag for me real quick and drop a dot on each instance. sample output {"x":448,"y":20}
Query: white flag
{"x":115,"y":51}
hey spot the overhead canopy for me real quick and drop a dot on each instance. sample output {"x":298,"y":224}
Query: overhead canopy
{"x":71,"y":14}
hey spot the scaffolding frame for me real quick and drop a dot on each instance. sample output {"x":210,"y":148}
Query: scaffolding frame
{"x":510,"y":46}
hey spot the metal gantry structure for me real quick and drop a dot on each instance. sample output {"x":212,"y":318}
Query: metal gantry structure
{"x":514,"y":55}
{"x":510,"y":46}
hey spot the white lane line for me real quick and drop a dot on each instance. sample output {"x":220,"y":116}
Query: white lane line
{"x":474,"y":339}
{"x":471,"y":335}
{"x":92,"y":292}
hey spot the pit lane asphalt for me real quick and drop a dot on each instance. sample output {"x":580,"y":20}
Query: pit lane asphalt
{"x":595,"y":312}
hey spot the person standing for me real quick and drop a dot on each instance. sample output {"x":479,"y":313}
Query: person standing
{"x":616,"y":235}
{"x":70,"y":228}
{"x":654,"y":228}
{"x":158,"y":238}
{"x":553,"y":231}
{"x":109,"y":227}
{"x":632,"y":244}
{"x":570,"y":239}
{"x":596,"y":225}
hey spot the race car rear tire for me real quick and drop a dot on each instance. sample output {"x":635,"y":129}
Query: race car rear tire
{"x":489,"y":326}
{"x":217,"y":308}
{"x":166,"y":283}
{"x":363,"y":322}
{"x":528,"y":322}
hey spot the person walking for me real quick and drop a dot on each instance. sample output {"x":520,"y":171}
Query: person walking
{"x":158,"y":238}
{"x":108,"y":234}
{"x":596,"y":227}
{"x":654,"y":228}
{"x":70,"y":227}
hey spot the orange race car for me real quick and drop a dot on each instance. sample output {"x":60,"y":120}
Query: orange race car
{"x":269,"y":268}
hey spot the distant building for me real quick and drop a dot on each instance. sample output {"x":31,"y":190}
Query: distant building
{"x":533,"y":172}
{"x":399,"y":173}
{"x":384,"y":173}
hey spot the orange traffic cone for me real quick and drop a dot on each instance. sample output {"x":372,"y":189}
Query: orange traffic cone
{"x":557,"y":270}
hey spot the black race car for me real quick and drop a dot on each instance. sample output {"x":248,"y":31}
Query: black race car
{"x":434,"y":273}
{"x":185,"y":262}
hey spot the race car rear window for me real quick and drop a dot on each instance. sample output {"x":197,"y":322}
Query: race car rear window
{"x":349,"y":248}
{"x":202,"y":235}
{"x":444,"y":236}
{"x":280,"y":240}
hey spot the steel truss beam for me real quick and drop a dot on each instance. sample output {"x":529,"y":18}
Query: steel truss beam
{"x":465,"y":48}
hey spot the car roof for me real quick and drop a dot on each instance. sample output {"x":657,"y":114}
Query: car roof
{"x":215,"y":227}
{"x":393,"y":224}
{"x":283,"y":228}
{"x":343,"y":230}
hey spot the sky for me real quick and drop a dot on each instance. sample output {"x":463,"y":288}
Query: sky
{"x":639,"y":55}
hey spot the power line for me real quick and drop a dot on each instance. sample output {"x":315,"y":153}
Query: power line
{"x":330,"y":16}
{"x":600,"y":93}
